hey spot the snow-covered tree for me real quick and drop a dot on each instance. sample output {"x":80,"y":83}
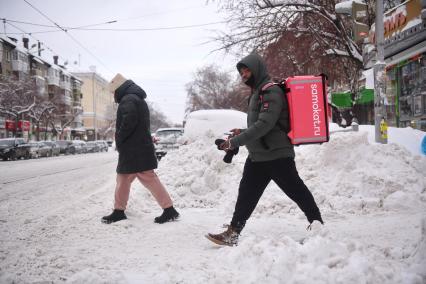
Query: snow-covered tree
{"x":297,"y":34}
{"x":212,"y":88}
{"x":17,"y":97}
{"x":41,"y":114}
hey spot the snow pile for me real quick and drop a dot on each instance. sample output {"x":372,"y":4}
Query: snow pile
{"x":212,"y":122}
{"x":347,"y":174}
{"x":372,"y":197}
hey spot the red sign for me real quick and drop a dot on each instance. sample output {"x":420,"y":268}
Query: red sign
{"x":24,"y":125}
{"x":10,"y":125}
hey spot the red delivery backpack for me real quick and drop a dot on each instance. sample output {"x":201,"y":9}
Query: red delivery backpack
{"x":308,"y":108}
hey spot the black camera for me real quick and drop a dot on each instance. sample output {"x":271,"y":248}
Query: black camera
{"x":229,"y":154}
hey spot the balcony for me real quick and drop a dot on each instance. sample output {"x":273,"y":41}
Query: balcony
{"x":20,"y":66}
{"x":53,"y":80}
{"x":37,"y":72}
{"x":65,"y":85}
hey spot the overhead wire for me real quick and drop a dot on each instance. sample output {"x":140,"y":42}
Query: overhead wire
{"x":85,"y":28}
{"x":44,"y":45}
{"x":66,"y":32}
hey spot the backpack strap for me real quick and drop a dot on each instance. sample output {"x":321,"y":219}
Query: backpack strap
{"x":268,"y":85}
{"x":264,"y":88}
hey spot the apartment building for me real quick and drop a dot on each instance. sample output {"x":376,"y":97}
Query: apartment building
{"x":52,"y":82}
{"x":98,"y":105}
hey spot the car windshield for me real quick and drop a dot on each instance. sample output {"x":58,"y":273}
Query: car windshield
{"x":168,"y":136}
{"x":7,"y":142}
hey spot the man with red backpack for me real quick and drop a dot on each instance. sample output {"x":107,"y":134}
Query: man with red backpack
{"x":271,"y":154}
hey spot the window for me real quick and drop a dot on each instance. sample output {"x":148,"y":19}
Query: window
{"x":14,"y":55}
{"x":418,"y":108}
{"x":413,"y":81}
{"x":406,"y":107}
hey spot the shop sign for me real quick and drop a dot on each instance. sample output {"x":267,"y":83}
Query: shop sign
{"x":10,"y":125}
{"x":396,"y":20}
{"x":24,"y":125}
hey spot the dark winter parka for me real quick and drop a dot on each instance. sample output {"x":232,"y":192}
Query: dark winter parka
{"x":132,"y":137}
{"x":267,"y":119}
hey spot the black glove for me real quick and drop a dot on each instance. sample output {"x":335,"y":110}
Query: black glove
{"x":229,"y":154}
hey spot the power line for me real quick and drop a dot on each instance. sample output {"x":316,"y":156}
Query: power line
{"x":66,"y":32}
{"x":154,"y":29}
{"x":50,"y":26}
{"x":84,"y":28}
{"x":24,"y":32}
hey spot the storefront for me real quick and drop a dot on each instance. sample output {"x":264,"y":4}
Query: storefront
{"x":23,"y":129}
{"x":406,"y":92}
{"x":10,"y":128}
{"x":347,"y":106}
{"x":405,"y":56}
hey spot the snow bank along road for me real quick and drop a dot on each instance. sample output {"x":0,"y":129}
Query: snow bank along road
{"x":374,"y":208}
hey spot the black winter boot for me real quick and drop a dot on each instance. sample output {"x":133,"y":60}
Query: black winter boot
{"x":169,"y":214}
{"x":226,"y":238}
{"x":115,"y":216}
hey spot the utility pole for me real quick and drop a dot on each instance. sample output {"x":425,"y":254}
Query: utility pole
{"x":380,"y":125}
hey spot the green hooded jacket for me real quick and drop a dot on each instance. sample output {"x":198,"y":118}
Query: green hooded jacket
{"x":267,"y":119}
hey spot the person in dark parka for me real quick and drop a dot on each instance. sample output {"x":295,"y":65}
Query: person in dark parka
{"x":136,"y":153}
{"x":271,"y":154}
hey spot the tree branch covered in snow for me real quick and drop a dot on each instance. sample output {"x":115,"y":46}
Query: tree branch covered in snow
{"x":212,"y":88}
{"x":17,"y":97}
{"x":256,"y":24}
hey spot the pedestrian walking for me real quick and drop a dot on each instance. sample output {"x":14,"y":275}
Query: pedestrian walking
{"x":136,"y":153}
{"x":271,"y":155}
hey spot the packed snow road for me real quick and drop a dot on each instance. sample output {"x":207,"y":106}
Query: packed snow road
{"x":372,"y":198}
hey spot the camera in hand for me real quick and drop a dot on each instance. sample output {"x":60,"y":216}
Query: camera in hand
{"x":229,"y":154}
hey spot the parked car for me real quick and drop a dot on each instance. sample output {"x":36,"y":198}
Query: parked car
{"x":14,"y":148}
{"x":54,"y":148}
{"x":39,"y":149}
{"x":103,"y":145}
{"x":64,"y":146}
{"x":43,"y":149}
{"x":91,"y":147}
{"x":77,"y":147}
{"x":166,"y":139}
{"x":33,"y":150}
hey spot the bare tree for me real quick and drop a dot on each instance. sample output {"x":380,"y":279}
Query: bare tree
{"x":17,"y":97}
{"x":212,"y":88}
{"x":256,"y":24}
{"x":42,"y":113}
{"x":296,"y":28}
{"x":157,"y":118}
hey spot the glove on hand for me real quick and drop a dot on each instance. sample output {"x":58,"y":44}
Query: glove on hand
{"x":229,"y":154}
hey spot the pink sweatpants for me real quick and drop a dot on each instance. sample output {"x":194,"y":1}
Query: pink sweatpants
{"x":149,"y":179}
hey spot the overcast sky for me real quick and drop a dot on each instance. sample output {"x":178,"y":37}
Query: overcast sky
{"x":161,"y":61}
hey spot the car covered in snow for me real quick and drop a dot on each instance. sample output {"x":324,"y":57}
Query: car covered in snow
{"x":166,"y":139}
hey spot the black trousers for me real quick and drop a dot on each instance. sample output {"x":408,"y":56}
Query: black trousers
{"x":256,"y":177}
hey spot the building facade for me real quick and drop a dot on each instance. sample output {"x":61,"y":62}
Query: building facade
{"x":50,"y":82}
{"x":405,"y":57}
{"x":98,"y":105}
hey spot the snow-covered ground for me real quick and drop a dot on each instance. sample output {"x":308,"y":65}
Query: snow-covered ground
{"x":372,"y":196}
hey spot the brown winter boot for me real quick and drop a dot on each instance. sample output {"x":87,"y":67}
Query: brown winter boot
{"x":227,"y":238}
